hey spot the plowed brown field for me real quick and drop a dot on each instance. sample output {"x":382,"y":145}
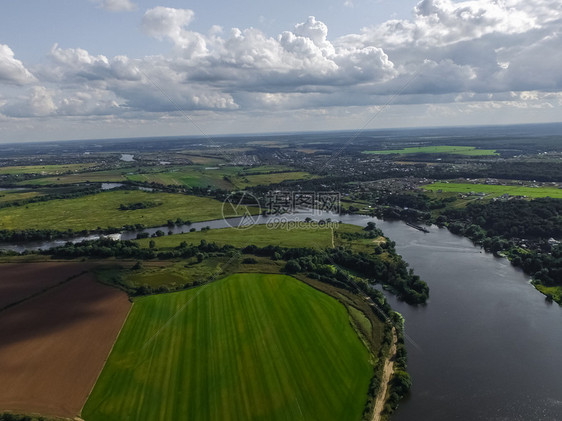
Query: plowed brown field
{"x":21,"y":280}
{"x":53,"y":346}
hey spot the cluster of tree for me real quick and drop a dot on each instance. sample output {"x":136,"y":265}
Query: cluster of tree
{"x":333,"y":266}
{"x":12,"y":179}
{"x":539,"y":218}
{"x":378,"y":370}
{"x":412,"y":215}
{"x":106,"y":247}
{"x":178,"y":222}
{"x":138,"y":205}
{"x":134,"y":227}
{"x":416,"y":201}
{"x":72,"y":194}
{"x":392,"y":272}
{"x":20,"y":236}
{"x":370,"y":231}
{"x":522,"y":170}
{"x":545,"y":268}
{"x":350,"y":236}
{"x":208,"y":191}
{"x":400,"y":383}
{"x":499,"y":226}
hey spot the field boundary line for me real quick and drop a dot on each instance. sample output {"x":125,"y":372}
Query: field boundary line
{"x":108,"y":355}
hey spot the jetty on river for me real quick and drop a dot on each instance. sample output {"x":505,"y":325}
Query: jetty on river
{"x":418,"y":227}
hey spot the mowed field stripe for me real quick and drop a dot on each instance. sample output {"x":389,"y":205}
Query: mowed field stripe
{"x":248,"y":347}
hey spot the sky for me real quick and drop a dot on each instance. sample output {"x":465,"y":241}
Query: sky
{"x":87,"y":69}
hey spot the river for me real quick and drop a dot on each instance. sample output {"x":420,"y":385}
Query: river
{"x":487,"y":346}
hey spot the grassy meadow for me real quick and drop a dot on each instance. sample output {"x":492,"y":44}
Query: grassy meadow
{"x":247,"y":347}
{"x":225,"y":177}
{"x":219,"y":177}
{"x":175,"y":275}
{"x":258,"y":235}
{"x":102,"y":210}
{"x":272,"y":178}
{"x":44,"y":169}
{"x":495,"y":191}
{"x":115,"y":175}
{"x":7,"y":196}
{"x":555,"y":292}
{"x":452,"y":150}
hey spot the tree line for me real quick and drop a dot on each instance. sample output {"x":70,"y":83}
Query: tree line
{"x":335,"y":266}
{"x":522,"y":229}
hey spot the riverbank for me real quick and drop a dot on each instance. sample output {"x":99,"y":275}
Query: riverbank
{"x":387,"y":372}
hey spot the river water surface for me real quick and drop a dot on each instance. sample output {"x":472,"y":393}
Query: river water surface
{"x":487,"y":346}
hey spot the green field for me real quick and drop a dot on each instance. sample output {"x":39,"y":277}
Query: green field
{"x":224,"y":177}
{"x":102,"y":210}
{"x":115,"y":175}
{"x":247,"y":347}
{"x":220,"y":177}
{"x":495,"y":191}
{"x":44,"y":169}
{"x":273,"y":178}
{"x":258,"y":235}
{"x":452,"y":150}
{"x":555,"y":292}
{"x":189,"y":176}
{"x":178,"y":274}
{"x":15,"y":195}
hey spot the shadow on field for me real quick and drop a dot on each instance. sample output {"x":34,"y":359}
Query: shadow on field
{"x":21,"y":280}
{"x":58,"y":309}
{"x":53,"y":346}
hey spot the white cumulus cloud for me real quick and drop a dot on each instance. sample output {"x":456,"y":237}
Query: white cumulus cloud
{"x":474,"y":51}
{"x":12,"y":70}
{"x":38,"y":102}
{"x":117,"y":5}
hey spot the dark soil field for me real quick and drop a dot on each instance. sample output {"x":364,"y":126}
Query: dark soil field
{"x":19,"y":281}
{"x":54,"y":345}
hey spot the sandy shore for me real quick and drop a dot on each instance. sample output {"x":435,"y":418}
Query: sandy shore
{"x":387,"y":373}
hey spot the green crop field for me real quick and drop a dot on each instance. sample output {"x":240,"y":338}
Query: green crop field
{"x":258,"y":235}
{"x":224,"y":177}
{"x":189,"y":176}
{"x":453,"y":150}
{"x":102,"y":210}
{"x":273,"y":178}
{"x":221,"y":177}
{"x":177,"y":274}
{"x":247,"y":347}
{"x":114,"y":175}
{"x":203,"y":159}
{"x":15,"y":195}
{"x":495,"y":191}
{"x":44,"y":169}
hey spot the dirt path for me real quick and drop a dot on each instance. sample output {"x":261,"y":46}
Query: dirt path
{"x":387,"y":372}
